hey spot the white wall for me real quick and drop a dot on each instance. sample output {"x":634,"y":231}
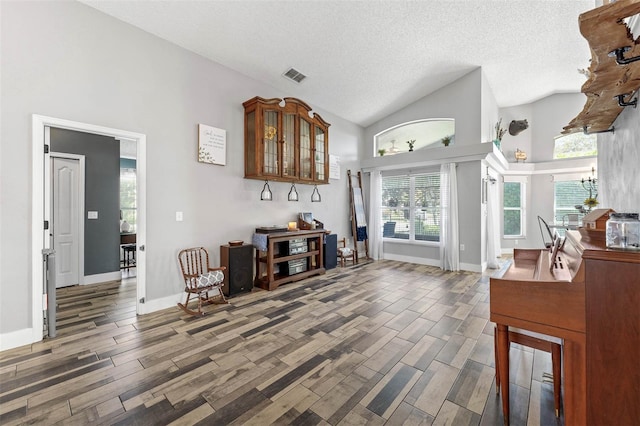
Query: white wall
{"x":67,"y":60}
{"x":546,"y":118}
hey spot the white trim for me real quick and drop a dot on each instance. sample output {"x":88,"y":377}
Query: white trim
{"x":102,"y":278}
{"x":14,"y":339}
{"x":82,"y":164}
{"x":38,"y":125}
{"x":412,"y":259}
{"x":507,"y":251}
{"x":162,"y":303}
{"x":471,"y":267}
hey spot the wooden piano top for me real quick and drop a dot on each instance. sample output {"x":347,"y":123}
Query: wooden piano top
{"x":536,"y":297}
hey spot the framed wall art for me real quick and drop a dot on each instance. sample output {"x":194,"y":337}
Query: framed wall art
{"x":212,"y":145}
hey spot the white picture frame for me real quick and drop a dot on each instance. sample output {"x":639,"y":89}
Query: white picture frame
{"x":212,"y":145}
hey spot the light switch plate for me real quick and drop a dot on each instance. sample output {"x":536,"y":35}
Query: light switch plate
{"x":92,"y":215}
{"x":178,"y":216}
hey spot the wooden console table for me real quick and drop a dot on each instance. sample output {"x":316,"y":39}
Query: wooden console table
{"x":279,"y":266}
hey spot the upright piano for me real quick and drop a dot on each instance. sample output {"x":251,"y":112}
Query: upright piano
{"x":589,"y":296}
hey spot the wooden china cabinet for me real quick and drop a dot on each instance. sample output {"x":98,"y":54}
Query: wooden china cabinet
{"x":283,"y":142}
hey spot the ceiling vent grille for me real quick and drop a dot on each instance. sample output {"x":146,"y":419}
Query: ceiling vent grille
{"x":295,"y":75}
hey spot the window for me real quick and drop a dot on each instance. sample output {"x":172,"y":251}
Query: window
{"x":423,"y":134}
{"x":128,"y":197}
{"x":566,"y":196}
{"x":575,"y":145}
{"x":411,"y":207}
{"x":513,"y":201}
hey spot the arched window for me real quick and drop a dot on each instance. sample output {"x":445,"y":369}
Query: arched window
{"x":575,"y":145}
{"x":415,"y":135}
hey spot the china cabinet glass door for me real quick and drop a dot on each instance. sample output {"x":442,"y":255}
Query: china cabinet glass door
{"x":319,"y":153}
{"x":288,"y":145}
{"x":305,"y":150}
{"x":270,"y":154}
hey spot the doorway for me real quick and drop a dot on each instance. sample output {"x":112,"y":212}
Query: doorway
{"x":41,"y":201}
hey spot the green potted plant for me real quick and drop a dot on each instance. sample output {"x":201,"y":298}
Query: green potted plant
{"x":381,"y":152}
{"x":446,"y":140}
{"x":411,"y":143}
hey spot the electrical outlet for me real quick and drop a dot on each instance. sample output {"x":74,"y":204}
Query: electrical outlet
{"x":461,"y":247}
{"x":179,"y":217}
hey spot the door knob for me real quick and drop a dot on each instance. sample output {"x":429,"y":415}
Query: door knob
{"x":141,"y":248}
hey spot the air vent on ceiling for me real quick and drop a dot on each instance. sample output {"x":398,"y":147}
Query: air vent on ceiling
{"x":295,"y":75}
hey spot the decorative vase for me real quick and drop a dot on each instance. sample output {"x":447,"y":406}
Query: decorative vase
{"x":496,"y":142}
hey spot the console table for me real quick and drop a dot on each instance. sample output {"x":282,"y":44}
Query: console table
{"x":290,"y":256}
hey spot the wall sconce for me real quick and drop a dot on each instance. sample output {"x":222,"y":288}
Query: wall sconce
{"x":293,"y":194}
{"x":266,"y":194}
{"x":315,"y":195}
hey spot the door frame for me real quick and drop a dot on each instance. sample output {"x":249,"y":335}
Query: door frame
{"x":81,"y":177}
{"x":39,"y":237}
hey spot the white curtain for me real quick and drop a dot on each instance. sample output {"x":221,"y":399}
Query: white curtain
{"x":493,"y":225}
{"x":375,"y":220}
{"x":449,"y":240}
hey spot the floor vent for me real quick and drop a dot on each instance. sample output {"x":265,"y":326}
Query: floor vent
{"x":295,"y":75}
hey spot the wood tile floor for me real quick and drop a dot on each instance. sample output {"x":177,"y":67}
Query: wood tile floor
{"x":380,"y":343}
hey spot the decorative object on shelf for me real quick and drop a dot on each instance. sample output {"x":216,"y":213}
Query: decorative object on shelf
{"x":266,"y":194}
{"x":446,"y":140}
{"x":125,"y":226}
{"x":623,"y":231}
{"x":614,"y":68}
{"x":393,"y":149}
{"x":293,"y":193}
{"x":500,"y":131}
{"x":381,"y":152}
{"x":520,"y":155}
{"x":315,"y":195}
{"x":517,"y":126}
{"x":293,"y":226}
{"x":235,"y":243}
{"x":212,"y":145}
{"x":411,"y":143}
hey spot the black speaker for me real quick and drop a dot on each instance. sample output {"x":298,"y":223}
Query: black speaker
{"x":330,"y":247}
{"x":238,"y":260}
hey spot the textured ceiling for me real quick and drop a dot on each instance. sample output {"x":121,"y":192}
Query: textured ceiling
{"x":367,"y":59}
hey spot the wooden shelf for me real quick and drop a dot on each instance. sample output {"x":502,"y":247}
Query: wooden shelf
{"x":605,"y":32}
{"x":266,"y":276}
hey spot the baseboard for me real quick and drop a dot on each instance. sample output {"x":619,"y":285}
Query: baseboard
{"x":471,"y":267}
{"x":14,"y":339}
{"x":102,"y":278}
{"x":159,"y":304}
{"x":411,"y":259}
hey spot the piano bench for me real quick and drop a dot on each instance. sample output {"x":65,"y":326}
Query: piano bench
{"x":536,"y":341}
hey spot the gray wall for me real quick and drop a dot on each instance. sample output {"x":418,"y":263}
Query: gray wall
{"x":446,"y":103}
{"x":69,"y":61}
{"x":102,"y":194}
{"x":619,"y":164}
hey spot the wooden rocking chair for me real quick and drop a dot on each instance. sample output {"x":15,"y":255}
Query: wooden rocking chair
{"x":200,"y":279}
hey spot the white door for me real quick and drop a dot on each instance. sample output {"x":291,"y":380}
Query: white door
{"x":65,"y":191}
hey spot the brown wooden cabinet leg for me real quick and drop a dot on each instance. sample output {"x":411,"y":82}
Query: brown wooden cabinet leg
{"x":503,"y":368}
{"x":556,"y":361}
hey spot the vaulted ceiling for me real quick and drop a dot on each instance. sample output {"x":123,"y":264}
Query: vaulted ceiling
{"x":366,"y":59}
